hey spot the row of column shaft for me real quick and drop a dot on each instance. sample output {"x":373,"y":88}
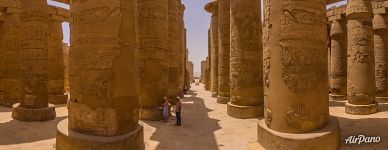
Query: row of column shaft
{"x":235,"y":54}
{"x":289,"y":70}
{"x":16,"y":60}
{"x":358,"y":58}
{"x":125,"y":56}
{"x":131,"y":81}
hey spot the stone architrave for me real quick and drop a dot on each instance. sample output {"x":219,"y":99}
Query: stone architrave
{"x":212,"y":8}
{"x":223,"y":51}
{"x":246,"y":57}
{"x":33,"y":104}
{"x":56,"y":64}
{"x":296,"y":112}
{"x":338,"y":75}
{"x":361,"y":85}
{"x":153,"y":27}
{"x":173,"y":75}
{"x":104,"y":78}
{"x":10,"y":49}
{"x":380,"y":26}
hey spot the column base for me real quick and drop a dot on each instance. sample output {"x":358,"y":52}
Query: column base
{"x":151,"y":114}
{"x":337,"y":97}
{"x":214,"y":94}
{"x":58,"y":99}
{"x":30,"y":115}
{"x":327,"y":138}
{"x":245,"y":112}
{"x":382,"y":99}
{"x":361,"y":109}
{"x":223,"y":100}
{"x":70,"y":140}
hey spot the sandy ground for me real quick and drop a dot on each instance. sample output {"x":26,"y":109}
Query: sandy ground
{"x":205,"y":126}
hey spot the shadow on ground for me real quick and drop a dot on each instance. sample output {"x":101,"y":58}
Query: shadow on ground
{"x":368,"y":125}
{"x":196,"y":132}
{"x":5,"y":109}
{"x":16,"y":132}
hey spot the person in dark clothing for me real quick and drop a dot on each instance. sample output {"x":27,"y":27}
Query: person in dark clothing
{"x":178,"y":109}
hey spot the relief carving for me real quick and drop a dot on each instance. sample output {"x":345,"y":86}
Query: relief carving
{"x":267,"y":116}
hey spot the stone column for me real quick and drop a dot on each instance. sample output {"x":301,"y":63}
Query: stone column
{"x":361,"y":87}
{"x":104,"y":78}
{"x":207,"y":74}
{"x":2,"y":102}
{"x":34,"y":64}
{"x":203,"y":67}
{"x":10,"y":53}
{"x":56,"y":64}
{"x":209,"y":46}
{"x":329,"y":56}
{"x":187,"y":69}
{"x":181,"y":47}
{"x":191,"y":71}
{"x":153,"y":27}
{"x":338,"y":75}
{"x":223,"y":51}
{"x":296,"y":108}
{"x":66,"y":48}
{"x":173,"y":75}
{"x":246,"y":59}
{"x":212,"y":8}
{"x":380,"y":24}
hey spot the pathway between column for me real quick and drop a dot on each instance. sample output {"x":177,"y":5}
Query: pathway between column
{"x":205,"y":126}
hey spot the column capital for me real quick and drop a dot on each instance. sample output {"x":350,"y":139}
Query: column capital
{"x":212,"y":7}
{"x":337,"y":17}
{"x":379,"y":22}
{"x":59,"y":14}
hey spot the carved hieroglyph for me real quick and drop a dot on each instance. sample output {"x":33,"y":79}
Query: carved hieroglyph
{"x":34,"y":54}
{"x":361,"y":89}
{"x":10,"y":52}
{"x":223,"y":51}
{"x":173,"y":83}
{"x":246,"y":55}
{"x":56,"y":65}
{"x":212,"y":8}
{"x":153,"y":53}
{"x":104,"y":76}
{"x":380,"y":26}
{"x":338,"y":59}
{"x":295,"y":65}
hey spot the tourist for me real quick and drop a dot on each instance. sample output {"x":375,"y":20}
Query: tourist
{"x":166,"y":108}
{"x":178,"y":109}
